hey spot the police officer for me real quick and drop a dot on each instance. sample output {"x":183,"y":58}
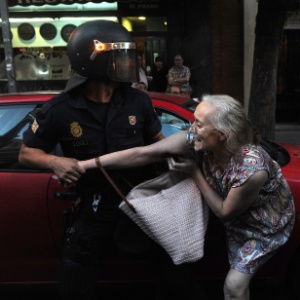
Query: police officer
{"x":97,"y":113}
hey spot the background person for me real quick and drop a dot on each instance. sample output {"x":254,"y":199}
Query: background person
{"x":179,"y":74}
{"x":141,"y":86}
{"x":240,"y":182}
{"x":142,"y":77}
{"x":159,"y":75}
{"x":173,"y":89}
{"x":186,"y":90}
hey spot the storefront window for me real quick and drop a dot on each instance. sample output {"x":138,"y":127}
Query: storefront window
{"x":39,"y":36}
{"x":39,"y":63}
{"x":40,"y":47}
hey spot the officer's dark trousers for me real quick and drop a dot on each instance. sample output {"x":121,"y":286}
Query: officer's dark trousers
{"x":86,"y":244}
{"x":85,"y":248}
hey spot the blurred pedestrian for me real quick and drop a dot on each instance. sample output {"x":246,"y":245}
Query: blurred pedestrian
{"x":142,"y":74}
{"x":141,"y":86}
{"x":186,"y":90}
{"x":179,"y":74}
{"x":159,"y":75}
{"x":173,"y":89}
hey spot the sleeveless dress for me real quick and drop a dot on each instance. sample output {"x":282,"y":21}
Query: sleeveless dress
{"x":254,"y":236}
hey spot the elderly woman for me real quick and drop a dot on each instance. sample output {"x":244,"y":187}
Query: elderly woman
{"x":240,"y":182}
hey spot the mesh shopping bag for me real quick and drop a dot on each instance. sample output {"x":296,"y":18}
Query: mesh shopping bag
{"x":171,"y":211}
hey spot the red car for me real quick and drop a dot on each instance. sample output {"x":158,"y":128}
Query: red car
{"x":33,"y":204}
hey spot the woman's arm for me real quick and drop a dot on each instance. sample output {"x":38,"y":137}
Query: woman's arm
{"x":238,"y":199}
{"x":139,"y":156}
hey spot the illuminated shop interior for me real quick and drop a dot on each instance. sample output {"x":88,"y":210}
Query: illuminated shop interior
{"x":39,"y":36}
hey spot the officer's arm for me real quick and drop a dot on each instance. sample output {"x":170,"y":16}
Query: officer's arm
{"x":66,"y":169}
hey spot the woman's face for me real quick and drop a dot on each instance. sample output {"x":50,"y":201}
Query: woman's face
{"x":206,"y":137}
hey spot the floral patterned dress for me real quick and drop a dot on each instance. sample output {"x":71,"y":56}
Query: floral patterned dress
{"x":254,"y":236}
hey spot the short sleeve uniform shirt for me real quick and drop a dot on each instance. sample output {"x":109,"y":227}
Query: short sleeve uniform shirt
{"x":85,"y":131}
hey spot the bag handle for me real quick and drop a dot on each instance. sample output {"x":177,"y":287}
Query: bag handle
{"x":97,"y":160}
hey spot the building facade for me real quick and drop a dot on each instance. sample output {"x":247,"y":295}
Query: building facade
{"x":215,"y":37}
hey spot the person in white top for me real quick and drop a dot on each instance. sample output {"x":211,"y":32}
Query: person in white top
{"x":142,"y":75}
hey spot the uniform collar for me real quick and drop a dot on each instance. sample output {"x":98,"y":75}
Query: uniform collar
{"x":78,"y":100}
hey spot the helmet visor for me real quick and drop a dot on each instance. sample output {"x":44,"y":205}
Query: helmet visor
{"x":122,"y":65}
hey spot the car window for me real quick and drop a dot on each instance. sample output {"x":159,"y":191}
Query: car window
{"x":14,"y":120}
{"x":171,"y":123}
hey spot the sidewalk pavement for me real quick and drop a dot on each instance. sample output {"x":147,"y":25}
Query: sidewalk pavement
{"x":288,"y":133}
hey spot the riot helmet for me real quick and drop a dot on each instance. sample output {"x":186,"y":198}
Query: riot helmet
{"x":103,"y":50}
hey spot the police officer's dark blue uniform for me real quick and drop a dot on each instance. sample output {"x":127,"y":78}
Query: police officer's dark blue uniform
{"x":97,"y":113}
{"x":73,"y":121}
{"x":129,"y":120}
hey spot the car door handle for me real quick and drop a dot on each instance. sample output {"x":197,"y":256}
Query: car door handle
{"x":65,"y":195}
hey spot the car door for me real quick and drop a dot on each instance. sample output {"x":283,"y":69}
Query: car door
{"x":32,"y":206}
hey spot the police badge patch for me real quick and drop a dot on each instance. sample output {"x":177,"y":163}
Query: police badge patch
{"x":132,"y":120}
{"x":76,"y":129}
{"x":34,"y":126}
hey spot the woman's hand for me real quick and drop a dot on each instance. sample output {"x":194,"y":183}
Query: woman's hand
{"x":184,"y":165}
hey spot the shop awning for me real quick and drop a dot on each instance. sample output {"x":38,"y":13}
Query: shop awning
{"x":11,"y":3}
